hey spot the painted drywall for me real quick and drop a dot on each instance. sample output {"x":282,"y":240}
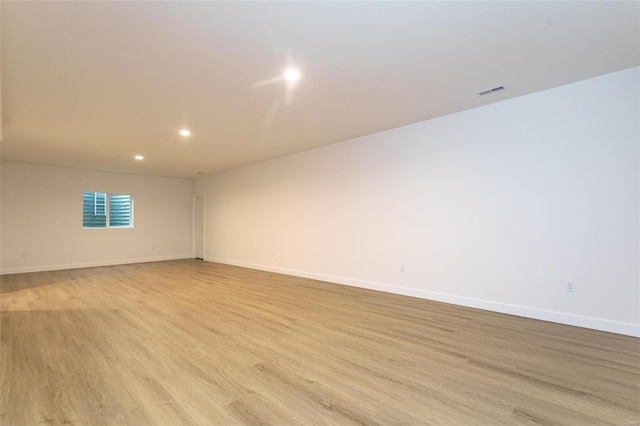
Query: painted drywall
{"x":496,"y":207}
{"x":42,"y":219}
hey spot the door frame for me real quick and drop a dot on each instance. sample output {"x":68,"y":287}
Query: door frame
{"x":193,"y":225}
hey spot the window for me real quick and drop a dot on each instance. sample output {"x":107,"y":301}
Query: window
{"x":102,"y":210}
{"x":120,"y":211}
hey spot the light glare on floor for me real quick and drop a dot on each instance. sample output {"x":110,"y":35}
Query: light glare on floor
{"x":185,"y":132}
{"x":139,"y":157}
{"x":292,"y":74}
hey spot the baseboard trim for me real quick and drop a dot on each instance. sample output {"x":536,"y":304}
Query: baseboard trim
{"x":617,"y":327}
{"x":28,"y":269}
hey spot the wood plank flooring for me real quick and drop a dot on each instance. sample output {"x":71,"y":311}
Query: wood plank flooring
{"x":190,"y":342}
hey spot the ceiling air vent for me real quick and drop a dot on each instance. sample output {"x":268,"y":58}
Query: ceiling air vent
{"x":492,"y":90}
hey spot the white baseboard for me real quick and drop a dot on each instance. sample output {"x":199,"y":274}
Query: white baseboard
{"x":27,"y":269}
{"x":617,"y":327}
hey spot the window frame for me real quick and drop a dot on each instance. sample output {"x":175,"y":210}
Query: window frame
{"x":107,"y":210}
{"x":95,"y":203}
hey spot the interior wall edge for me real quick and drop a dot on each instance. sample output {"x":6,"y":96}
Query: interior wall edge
{"x":627,"y":329}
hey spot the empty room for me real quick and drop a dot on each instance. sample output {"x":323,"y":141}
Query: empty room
{"x":320,"y":213}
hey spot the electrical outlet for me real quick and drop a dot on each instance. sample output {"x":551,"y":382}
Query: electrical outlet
{"x":401,"y":268}
{"x":571,"y":286}
{"x":24,"y":255}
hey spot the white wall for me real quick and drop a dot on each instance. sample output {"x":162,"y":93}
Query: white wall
{"x":42,"y":219}
{"x":496,"y":207}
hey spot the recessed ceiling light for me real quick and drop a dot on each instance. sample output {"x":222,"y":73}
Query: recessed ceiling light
{"x":185,"y":132}
{"x":292,"y":75}
{"x":139,"y":157}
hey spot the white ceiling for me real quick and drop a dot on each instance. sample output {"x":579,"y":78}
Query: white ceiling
{"x":92,"y":84}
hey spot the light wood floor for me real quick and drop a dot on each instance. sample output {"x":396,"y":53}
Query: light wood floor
{"x":188,"y":342}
